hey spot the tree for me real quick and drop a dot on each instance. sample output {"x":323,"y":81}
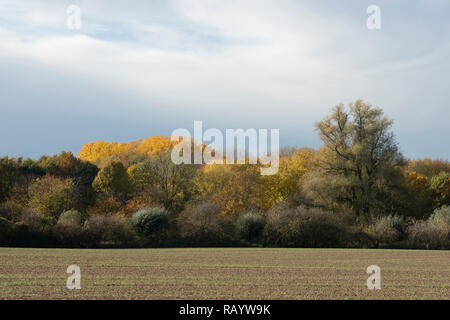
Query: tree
{"x":8,"y":174}
{"x":283,"y":185}
{"x":50,"y":196}
{"x":429,"y":167}
{"x":62,"y":165}
{"x":440,"y":186}
{"x":83,"y":176}
{"x":113,"y":178}
{"x":169,"y":183}
{"x":83,"y":173}
{"x":358,"y":146}
{"x":101,"y":152}
{"x":235,"y":188}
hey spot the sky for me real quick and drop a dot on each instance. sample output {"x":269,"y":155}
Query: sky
{"x":142,"y":68}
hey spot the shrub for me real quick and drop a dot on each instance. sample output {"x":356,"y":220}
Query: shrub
{"x":303,"y":227}
{"x":423,"y":235}
{"x":70,"y":217}
{"x":11,"y":210}
{"x":204,"y":224}
{"x":69,"y":235}
{"x":433,"y":233}
{"x":150,"y":221}
{"x":6,"y":231}
{"x":36,"y":222}
{"x":441,"y":219}
{"x":107,"y":230}
{"x":35,"y":230}
{"x":389,"y":229}
{"x":250,"y":226}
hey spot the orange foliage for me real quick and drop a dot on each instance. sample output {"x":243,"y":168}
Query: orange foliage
{"x":105,"y":206}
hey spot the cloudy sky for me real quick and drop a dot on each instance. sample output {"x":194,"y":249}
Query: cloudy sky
{"x":143,"y":68}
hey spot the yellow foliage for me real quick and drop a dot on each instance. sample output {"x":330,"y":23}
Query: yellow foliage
{"x":284,"y":184}
{"x":101,"y":152}
{"x":235,"y":188}
{"x":418,"y":181}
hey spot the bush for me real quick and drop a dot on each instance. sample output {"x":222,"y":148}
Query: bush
{"x":107,"y":230}
{"x":250,"y":226}
{"x":69,"y":235}
{"x":70,"y":217}
{"x":68,"y":230}
{"x":425,"y":236}
{"x":303,"y":227}
{"x":35,"y":230}
{"x":433,"y":233}
{"x":388,"y":229}
{"x":36,"y":222}
{"x":7,"y":231}
{"x":11,"y":210}
{"x":150,"y":221}
{"x":441,"y":219}
{"x":204,"y":224}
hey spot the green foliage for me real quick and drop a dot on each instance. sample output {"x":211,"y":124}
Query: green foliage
{"x":150,"y":221}
{"x":250,"y":226}
{"x":113,"y":178}
{"x":440,"y":186}
{"x":8,"y":174}
{"x":358,"y":147}
{"x":62,"y":165}
{"x":50,"y":196}
{"x":388,"y":229}
{"x":168,"y":183}
{"x":84,"y":176}
{"x":70,"y":217}
{"x":440,"y":218}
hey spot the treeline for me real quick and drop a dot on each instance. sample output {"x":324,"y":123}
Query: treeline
{"x":357,"y":190}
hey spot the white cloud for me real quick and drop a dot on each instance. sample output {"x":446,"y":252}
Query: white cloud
{"x":256,"y":60}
